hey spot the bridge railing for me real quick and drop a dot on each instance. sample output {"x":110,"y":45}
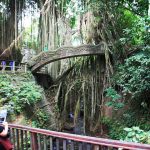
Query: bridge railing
{"x":12,"y":66}
{"x":27,"y":138}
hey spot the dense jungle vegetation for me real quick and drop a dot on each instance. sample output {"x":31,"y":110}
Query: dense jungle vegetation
{"x":108,"y":97}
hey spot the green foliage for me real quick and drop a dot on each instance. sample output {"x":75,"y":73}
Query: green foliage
{"x":111,"y":93}
{"x":73,"y":9}
{"x":40,"y":120}
{"x":138,"y":7}
{"x":18,"y":95}
{"x":134,"y":34}
{"x":115,"y":128}
{"x":72,"y":22}
{"x":27,"y":94}
{"x":128,"y":19}
{"x":135,"y":134}
{"x":134,"y":75}
{"x":129,"y":118}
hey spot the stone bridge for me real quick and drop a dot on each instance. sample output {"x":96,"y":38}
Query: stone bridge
{"x":44,"y":58}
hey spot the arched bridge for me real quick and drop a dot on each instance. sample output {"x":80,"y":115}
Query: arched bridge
{"x":44,"y":58}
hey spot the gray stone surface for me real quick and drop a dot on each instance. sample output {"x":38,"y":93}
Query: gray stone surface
{"x":27,"y":54}
{"x":44,"y":58}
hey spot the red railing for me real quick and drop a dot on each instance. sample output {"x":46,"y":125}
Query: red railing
{"x":27,"y":138}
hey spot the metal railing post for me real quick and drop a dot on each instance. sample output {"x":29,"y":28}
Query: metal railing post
{"x":13,"y":67}
{"x":3,"y":63}
{"x":34,"y":141}
{"x":25,"y":69}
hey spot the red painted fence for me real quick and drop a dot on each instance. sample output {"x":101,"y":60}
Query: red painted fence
{"x":27,"y":138}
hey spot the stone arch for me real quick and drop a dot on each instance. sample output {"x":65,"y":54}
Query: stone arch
{"x":44,"y":58}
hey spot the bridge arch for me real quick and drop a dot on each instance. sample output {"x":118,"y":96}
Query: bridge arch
{"x":44,"y":58}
